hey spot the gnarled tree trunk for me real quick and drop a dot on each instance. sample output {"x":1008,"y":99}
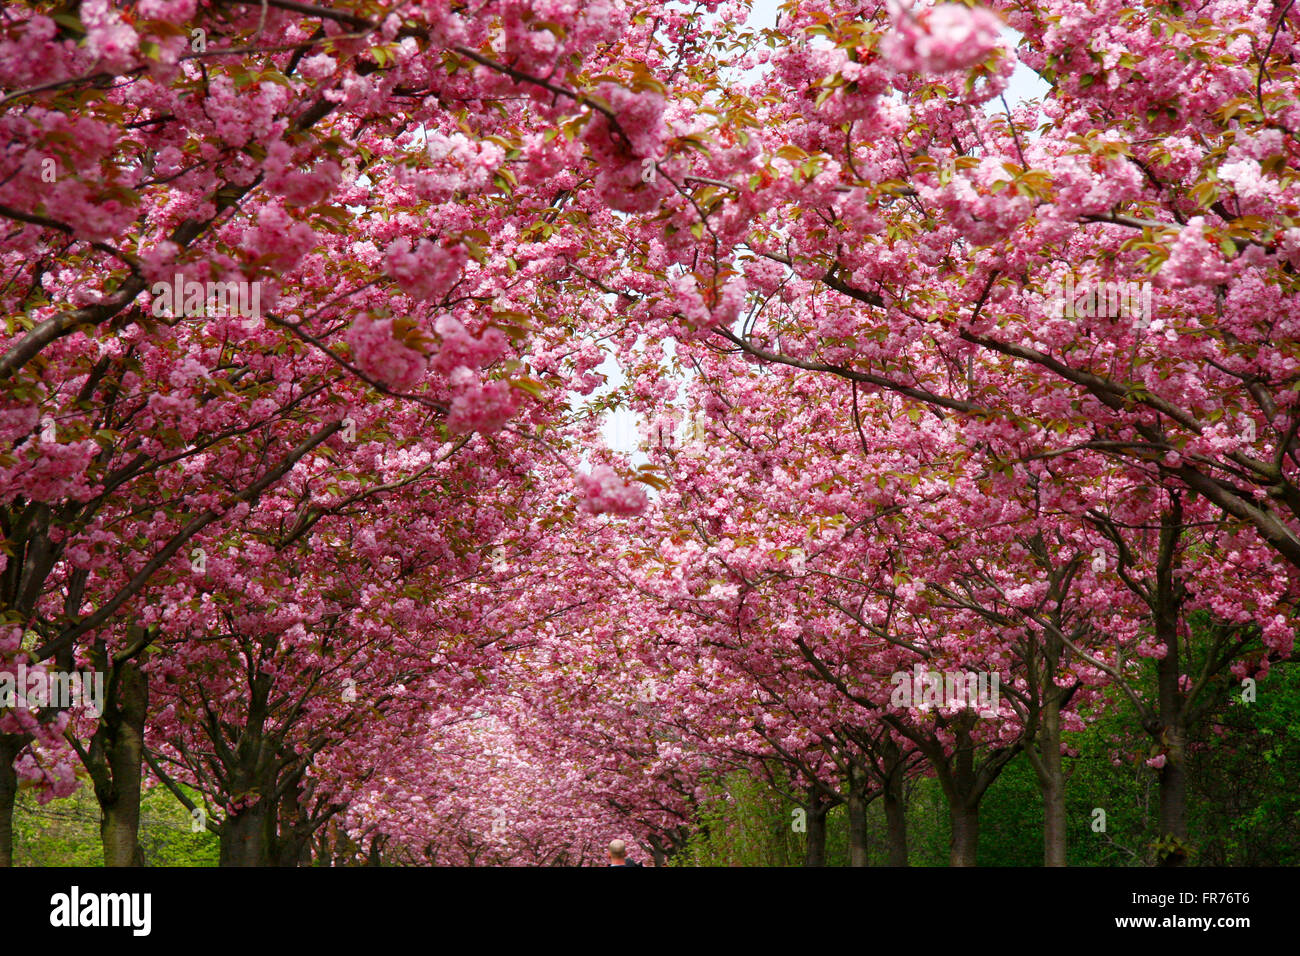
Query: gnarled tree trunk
{"x":965,"y":821}
{"x":815,"y":847}
{"x":115,"y":760}
{"x":857,"y":807}
{"x":1045,"y":757}
{"x":246,"y":837}
{"x":896,"y":810}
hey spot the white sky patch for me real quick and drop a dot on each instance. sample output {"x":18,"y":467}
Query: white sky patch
{"x":763,"y":14}
{"x":1024,"y":86}
{"x":621,"y":426}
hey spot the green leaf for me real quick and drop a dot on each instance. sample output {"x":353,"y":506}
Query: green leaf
{"x":530,"y":385}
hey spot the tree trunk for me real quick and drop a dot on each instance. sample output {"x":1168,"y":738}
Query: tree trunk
{"x":896,"y":819}
{"x":657,"y":851}
{"x":244,"y":837}
{"x":1173,"y":795}
{"x":293,"y":842}
{"x":963,"y":786}
{"x":1173,"y":719}
{"x":121,"y":750}
{"x":1050,"y":770}
{"x":10,"y":745}
{"x":1054,"y":824}
{"x":965,"y":834}
{"x":249,"y":835}
{"x":119,"y":831}
{"x":857,"y":805}
{"x":815,"y":851}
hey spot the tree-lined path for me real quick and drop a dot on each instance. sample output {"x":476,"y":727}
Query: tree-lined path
{"x":960,"y":523}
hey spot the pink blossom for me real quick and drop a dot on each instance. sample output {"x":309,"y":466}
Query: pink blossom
{"x":603,"y":492}
{"x":479,"y":406}
{"x":427,"y":271}
{"x":318,"y":67}
{"x":170,"y":11}
{"x":108,"y":36}
{"x":949,"y":36}
{"x":1192,"y":259}
{"x":382,"y":356}
{"x":459,"y":347}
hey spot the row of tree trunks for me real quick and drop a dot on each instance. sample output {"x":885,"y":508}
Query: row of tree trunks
{"x":857,"y":801}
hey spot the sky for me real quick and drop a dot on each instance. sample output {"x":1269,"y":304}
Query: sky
{"x":620,"y":427}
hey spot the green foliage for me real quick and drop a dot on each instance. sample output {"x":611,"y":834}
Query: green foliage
{"x":928,"y":826}
{"x":60,"y":833}
{"x":745,"y":823}
{"x":742,"y":823}
{"x":66,"y":832}
{"x":1011,"y":819}
{"x":1243,"y":801}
